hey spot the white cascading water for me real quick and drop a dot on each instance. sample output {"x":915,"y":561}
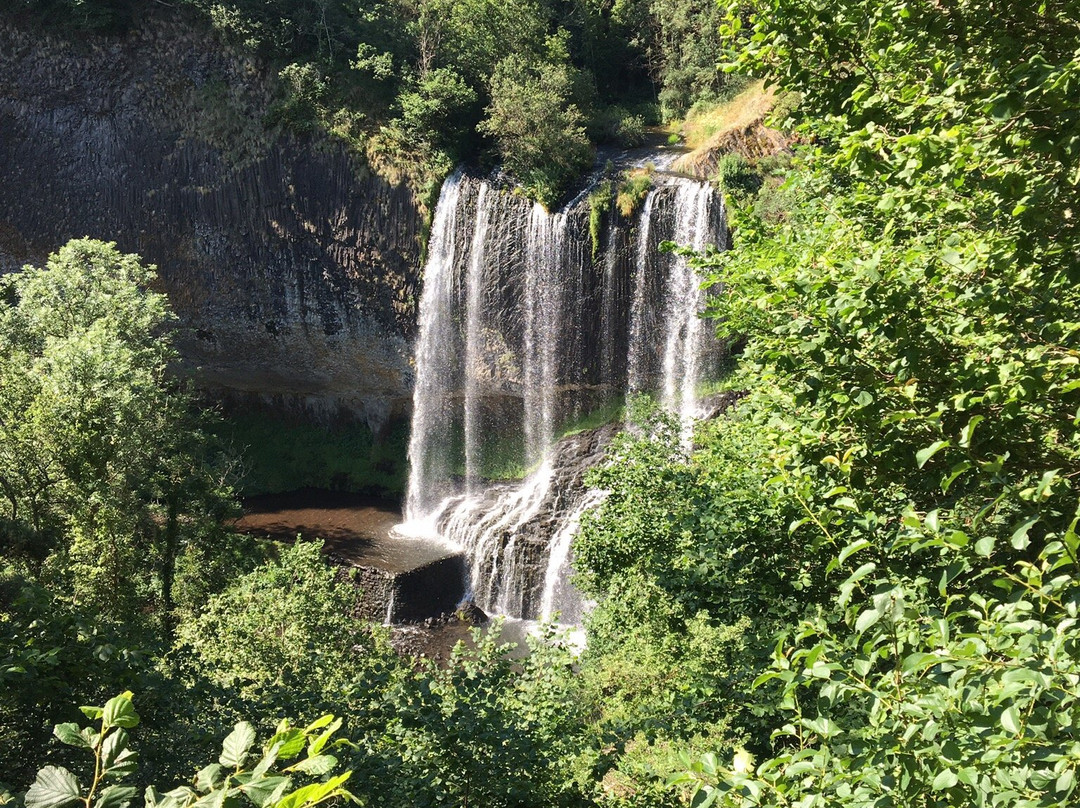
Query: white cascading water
{"x":474,"y":278}
{"x":640,"y":334}
{"x":609,"y":313}
{"x":429,"y":468}
{"x":545,"y":244}
{"x":686,"y":301}
{"x":508,"y":305}
{"x":560,"y":599}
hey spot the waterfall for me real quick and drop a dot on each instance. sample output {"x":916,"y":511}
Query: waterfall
{"x":560,"y":598}
{"x":522,"y":332}
{"x":640,"y":330}
{"x":682,"y":321}
{"x":429,"y":463}
{"x":473,"y":357}
{"x":544,"y":253}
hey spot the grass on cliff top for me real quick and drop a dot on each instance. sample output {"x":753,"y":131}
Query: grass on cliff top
{"x":702,"y":124}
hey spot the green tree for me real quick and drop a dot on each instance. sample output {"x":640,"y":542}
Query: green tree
{"x":287,"y":624}
{"x":441,"y":108}
{"x":677,"y":43}
{"x":915,"y":321}
{"x":539,"y":132}
{"x":473,"y":36}
{"x":104,"y":468}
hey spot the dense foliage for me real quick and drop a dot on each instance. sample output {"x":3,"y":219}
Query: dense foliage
{"x":418,"y":85}
{"x":857,"y":587}
{"x":911,"y":323}
{"x":106,"y":474}
{"x":236,"y":775}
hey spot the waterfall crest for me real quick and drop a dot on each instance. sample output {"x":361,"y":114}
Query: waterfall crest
{"x":522,"y":331}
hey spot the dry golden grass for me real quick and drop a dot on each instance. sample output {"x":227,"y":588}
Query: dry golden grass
{"x":735,"y":126}
{"x":750,"y":106}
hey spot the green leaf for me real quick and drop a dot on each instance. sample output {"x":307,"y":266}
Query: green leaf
{"x":314,"y":793}
{"x":705,"y":797}
{"x":319,"y":723}
{"x":267,"y":790}
{"x":945,"y":779}
{"x":177,"y":798}
{"x":985,"y":546}
{"x":71,"y":735}
{"x":93,"y":713}
{"x":291,"y":743}
{"x":866,"y":620}
{"x":54,"y":787}
{"x":924,"y":455}
{"x":968,"y":432}
{"x":1019,"y":538}
{"x":319,"y":743}
{"x":210,"y":777}
{"x":861,"y":572}
{"x":954,"y":473}
{"x":215,"y":799}
{"x":116,"y":758}
{"x":115,"y":797}
{"x":847,"y":504}
{"x":1010,"y":720}
{"x":235,"y":747}
{"x":300,"y":797}
{"x":320,"y":764}
{"x":269,"y":758}
{"x":120,"y":712}
{"x":1066,"y":781}
{"x":853,"y":548}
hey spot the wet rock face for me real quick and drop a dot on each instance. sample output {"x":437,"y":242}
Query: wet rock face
{"x":294,"y":272}
{"x":428,"y":592}
{"x":510,"y":527}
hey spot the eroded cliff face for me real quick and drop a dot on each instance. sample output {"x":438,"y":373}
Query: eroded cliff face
{"x":293,"y":270}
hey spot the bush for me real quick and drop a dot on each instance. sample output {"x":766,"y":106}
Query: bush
{"x":736,"y":173}
{"x":633,"y":189}
{"x":618,"y":126}
{"x":540,"y":134}
{"x":599,"y":205}
{"x":305,"y":92}
{"x":287,"y":624}
{"x":440,"y":107}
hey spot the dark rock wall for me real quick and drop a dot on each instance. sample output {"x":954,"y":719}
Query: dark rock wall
{"x":429,"y":591}
{"x":294,"y":271}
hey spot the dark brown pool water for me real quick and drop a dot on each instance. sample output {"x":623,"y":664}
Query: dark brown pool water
{"x":356,"y":529}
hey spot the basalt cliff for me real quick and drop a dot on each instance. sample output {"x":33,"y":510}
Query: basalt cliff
{"x":294,"y":271}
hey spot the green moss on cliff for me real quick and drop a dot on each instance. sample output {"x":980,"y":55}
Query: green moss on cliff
{"x":281,"y":455}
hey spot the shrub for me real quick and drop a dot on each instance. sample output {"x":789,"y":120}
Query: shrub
{"x":540,"y":134}
{"x":287,"y":622}
{"x":617,"y":125}
{"x":736,"y":173}
{"x":633,"y":189}
{"x":599,"y":205}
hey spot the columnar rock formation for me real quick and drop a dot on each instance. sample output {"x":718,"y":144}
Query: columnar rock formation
{"x":293,"y":270}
